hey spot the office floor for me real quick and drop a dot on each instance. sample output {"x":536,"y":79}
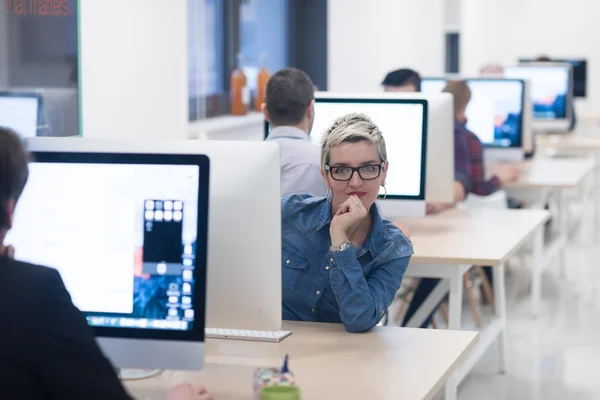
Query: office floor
{"x":557,"y":355}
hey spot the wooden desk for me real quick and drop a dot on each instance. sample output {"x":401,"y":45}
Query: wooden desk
{"x":544,"y":180}
{"x":471,"y":236}
{"x":329,"y":363}
{"x":568,"y":142}
{"x":549,"y":173}
{"x":448,"y":244}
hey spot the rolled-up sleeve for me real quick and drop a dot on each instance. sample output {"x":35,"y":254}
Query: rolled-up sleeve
{"x":362,"y":300}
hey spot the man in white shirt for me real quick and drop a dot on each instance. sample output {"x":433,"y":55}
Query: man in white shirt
{"x":289,"y":108}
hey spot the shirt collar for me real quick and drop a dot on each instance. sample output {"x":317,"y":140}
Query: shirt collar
{"x":287,"y":132}
{"x":370,"y":243}
{"x":461,"y":124}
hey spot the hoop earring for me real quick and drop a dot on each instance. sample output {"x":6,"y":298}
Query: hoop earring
{"x":384,"y":192}
{"x":329,"y":195}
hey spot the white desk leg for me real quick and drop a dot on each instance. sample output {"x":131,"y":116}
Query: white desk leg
{"x":500,"y":304}
{"x":563,"y":228}
{"x":455,"y":299}
{"x":455,"y":314}
{"x":536,"y":270}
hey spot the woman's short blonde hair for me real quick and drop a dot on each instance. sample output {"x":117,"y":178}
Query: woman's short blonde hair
{"x":462,"y":95}
{"x":352,"y":128}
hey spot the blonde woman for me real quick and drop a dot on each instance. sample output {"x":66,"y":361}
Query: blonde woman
{"x":341,"y":261}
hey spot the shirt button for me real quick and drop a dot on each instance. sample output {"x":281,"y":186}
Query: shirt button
{"x":327,"y":267}
{"x":331,"y":259}
{"x":313,"y":310}
{"x":318,"y":292}
{"x":287,"y":261}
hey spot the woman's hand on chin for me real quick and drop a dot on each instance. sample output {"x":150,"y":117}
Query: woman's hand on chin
{"x":349,"y":213}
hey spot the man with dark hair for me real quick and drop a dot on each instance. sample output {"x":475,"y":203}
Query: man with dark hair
{"x":289,"y":107}
{"x":402,"y":80}
{"x":47,"y":349}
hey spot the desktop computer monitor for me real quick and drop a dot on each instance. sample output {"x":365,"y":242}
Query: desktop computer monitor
{"x":579,"y":68}
{"x":404,"y":126}
{"x":244,"y":223}
{"x":439,"y":135}
{"x":128,"y":234}
{"x":20,"y":111}
{"x":497,"y":113}
{"x":551,"y":89}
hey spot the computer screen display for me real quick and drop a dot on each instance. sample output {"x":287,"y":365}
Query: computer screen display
{"x":404,"y":126}
{"x":579,"y":67}
{"x":20,"y":112}
{"x":495,"y":111}
{"x":403,"y":123}
{"x":549,"y":88}
{"x":121,"y":232}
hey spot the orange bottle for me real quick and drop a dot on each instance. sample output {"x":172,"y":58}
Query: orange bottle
{"x":261,"y":84}
{"x":240,"y":97}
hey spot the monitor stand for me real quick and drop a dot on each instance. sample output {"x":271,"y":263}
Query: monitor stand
{"x":127,"y":374}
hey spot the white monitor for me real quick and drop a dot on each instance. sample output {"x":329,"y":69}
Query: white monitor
{"x":20,"y":111}
{"x":127,"y":232}
{"x":551,"y":89}
{"x":244,"y":233}
{"x":496,"y":113}
{"x":404,"y":126}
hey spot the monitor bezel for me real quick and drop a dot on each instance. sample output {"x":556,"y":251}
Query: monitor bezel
{"x":323,"y":97}
{"x":489,"y":79}
{"x":200,"y":270}
{"x":570,"y":61}
{"x":569,"y":98}
{"x":29,"y":95}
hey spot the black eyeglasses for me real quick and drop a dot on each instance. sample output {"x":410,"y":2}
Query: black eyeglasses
{"x":366,"y":172}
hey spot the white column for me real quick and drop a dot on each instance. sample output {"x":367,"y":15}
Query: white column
{"x":368,"y":38}
{"x":134,"y":68}
{"x":504,"y":30}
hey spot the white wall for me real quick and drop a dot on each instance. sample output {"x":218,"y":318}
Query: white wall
{"x":134,"y":68}
{"x":452,"y":15}
{"x":504,"y":30}
{"x":369,"y":38}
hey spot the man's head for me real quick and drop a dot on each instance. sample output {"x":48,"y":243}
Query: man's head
{"x":290,"y":100}
{"x":492,"y":69}
{"x":462,"y":95}
{"x":13,"y":176}
{"x":402,"y":80}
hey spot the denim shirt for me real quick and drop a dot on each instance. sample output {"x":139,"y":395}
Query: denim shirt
{"x":354,"y":286}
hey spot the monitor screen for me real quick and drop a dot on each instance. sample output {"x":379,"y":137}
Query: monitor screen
{"x":579,"y":67}
{"x":495,"y":111}
{"x":403,"y":123}
{"x":404,"y":126}
{"x":122,"y":231}
{"x":20,"y":112}
{"x":549,"y":88}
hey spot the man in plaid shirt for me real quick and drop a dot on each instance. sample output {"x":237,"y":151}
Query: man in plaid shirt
{"x":469,"y":173}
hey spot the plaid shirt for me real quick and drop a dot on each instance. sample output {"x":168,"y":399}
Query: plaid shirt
{"x":469,"y":166}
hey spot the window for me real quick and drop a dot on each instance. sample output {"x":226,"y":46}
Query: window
{"x":39,"y":55}
{"x":452,"y":52}
{"x":263,"y":37}
{"x":206,"y":57}
{"x":218,"y":31}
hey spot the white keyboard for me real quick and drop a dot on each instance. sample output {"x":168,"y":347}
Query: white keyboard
{"x":241,"y":334}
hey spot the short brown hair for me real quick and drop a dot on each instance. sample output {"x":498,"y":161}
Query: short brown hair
{"x":289,"y":93}
{"x":462,"y":95}
{"x":13,"y":170}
